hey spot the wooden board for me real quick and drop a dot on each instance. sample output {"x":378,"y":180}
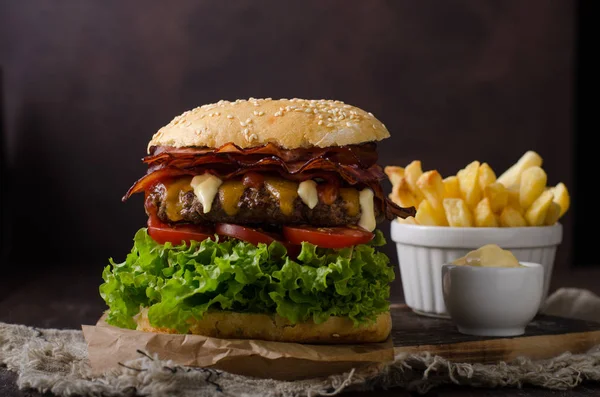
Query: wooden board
{"x":545,"y":337}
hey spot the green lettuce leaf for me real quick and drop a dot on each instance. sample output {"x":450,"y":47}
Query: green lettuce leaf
{"x":181,"y":282}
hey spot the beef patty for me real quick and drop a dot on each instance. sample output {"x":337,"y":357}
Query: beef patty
{"x":255,"y":206}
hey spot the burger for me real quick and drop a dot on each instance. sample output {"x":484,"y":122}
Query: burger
{"x":262,"y":224}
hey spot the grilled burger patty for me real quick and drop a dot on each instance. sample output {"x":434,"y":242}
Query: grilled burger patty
{"x":255,"y":206}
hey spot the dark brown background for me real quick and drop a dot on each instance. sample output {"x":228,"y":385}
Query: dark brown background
{"x":87,"y":83}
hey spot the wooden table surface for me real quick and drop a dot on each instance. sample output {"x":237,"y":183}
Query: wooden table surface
{"x":70,"y":298}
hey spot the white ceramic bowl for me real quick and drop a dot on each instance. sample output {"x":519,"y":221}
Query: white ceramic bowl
{"x":493,"y":301}
{"x":422,"y":250}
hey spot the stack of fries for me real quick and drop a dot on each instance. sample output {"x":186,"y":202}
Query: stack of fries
{"x":474,"y":197}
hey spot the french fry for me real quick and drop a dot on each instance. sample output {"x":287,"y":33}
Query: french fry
{"x":553,"y":214}
{"x":408,"y":220}
{"x":469,"y":184}
{"x":510,"y":217}
{"x":394,"y":173}
{"x":536,"y":213}
{"x":458,"y":213}
{"x":427,"y":215}
{"x":513,"y":200}
{"x":486,"y":176}
{"x":511,"y":178}
{"x":412,"y":172}
{"x":483,"y":215}
{"x":402,"y":195}
{"x":533,"y":183}
{"x":431,"y":185}
{"x":451,"y":188}
{"x":561,"y":197}
{"x":497,"y":195}
{"x":475,"y":196}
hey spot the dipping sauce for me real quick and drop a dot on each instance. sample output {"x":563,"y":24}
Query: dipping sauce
{"x":489,"y":255}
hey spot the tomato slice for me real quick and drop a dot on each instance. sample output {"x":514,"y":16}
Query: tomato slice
{"x":244,"y":233}
{"x":254,"y":236}
{"x":327,"y":237}
{"x":161,"y":232}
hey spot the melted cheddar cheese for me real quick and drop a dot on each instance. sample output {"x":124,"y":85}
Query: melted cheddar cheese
{"x":285,"y":191}
{"x":173,"y":205}
{"x":230,"y":193}
{"x":350,"y":198}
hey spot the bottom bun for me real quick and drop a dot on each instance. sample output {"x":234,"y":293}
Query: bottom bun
{"x":232,"y":325}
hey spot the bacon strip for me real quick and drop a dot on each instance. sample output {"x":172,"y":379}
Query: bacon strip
{"x":226,"y":170}
{"x":364,"y":155}
{"x":356,"y":164}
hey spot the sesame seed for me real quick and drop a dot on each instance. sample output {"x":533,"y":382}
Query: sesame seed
{"x":370,"y":114}
{"x":320,"y":117}
{"x":320,"y":122}
{"x":248,"y":120}
{"x":253,"y":137}
{"x":374,"y":126}
{"x":245,"y":131}
{"x":277,"y":114}
{"x":349,"y":124}
{"x":330,"y":125}
{"x":261,"y":113}
{"x":256,"y":112}
{"x":308,"y":111}
{"x":188,"y":123}
{"x":229,"y":116}
{"x":243,"y":124}
{"x":198,"y":132}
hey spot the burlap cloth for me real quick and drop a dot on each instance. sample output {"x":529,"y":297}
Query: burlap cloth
{"x":50,"y":360}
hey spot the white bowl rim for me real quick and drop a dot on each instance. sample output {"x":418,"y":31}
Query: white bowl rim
{"x":527,"y":267}
{"x":475,"y":237}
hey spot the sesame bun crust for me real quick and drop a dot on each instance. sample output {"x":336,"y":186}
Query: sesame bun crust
{"x":288,"y":123}
{"x":232,"y":325}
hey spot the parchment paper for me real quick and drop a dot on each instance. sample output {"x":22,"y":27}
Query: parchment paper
{"x":108,"y":346}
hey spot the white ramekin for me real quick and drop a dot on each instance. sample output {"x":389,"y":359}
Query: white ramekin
{"x":493,"y":301}
{"x":422,"y":250}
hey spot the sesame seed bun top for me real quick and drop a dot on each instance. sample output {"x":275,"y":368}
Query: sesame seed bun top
{"x":288,"y":123}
